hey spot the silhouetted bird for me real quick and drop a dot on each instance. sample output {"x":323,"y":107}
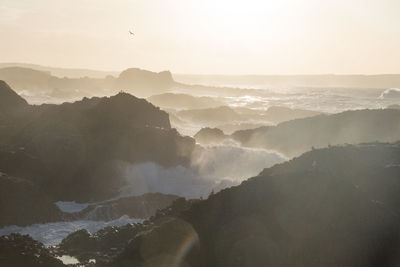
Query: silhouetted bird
{"x":131,"y":32}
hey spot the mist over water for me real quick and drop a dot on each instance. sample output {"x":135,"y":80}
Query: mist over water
{"x":330,"y":99}
{"x":213,"y":168}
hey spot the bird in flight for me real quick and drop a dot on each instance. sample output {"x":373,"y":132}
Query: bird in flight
{"x":131,"y":32}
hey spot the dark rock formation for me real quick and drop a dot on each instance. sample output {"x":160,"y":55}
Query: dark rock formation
{"x":23,"y":203}
{"x":331,"y":207}
{"x":75,"y":151}
{"x":210,"y":136}
{"x":106,"y":244}
{"x":298,"y":136}
{"x":9,"y":100}
{"x":21,"y":250}
{"x":337,"y":206}
{"x":176,"y":236}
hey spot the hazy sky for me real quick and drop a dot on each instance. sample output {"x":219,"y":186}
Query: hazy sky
{"x":205,"y":36}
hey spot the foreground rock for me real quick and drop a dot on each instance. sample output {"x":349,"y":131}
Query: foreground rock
{"x":337,"y":206}
{"x":105,"y":245}
{"x":331,"y":207}
{"x":321,"y":209}
{"x":21,"y":250}
{"x":22,"y":203}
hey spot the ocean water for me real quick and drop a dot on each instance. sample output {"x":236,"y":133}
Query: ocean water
{"x":53,"y":233}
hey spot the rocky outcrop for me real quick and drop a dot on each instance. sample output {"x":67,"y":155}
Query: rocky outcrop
{"x":321,"y":209}
{"x":136,"y":81}
{"x":143,"y":82}
{"x":9,"y":100}
{"x":105,"y":245}
{"x":208,"y":136}
{"x":76,"y":151}
{"x":295,"y":137}
{"x":22,"y":250}
{"x":337,"y":206}
{"x":23,"y":203}
{"x":331,"y":207}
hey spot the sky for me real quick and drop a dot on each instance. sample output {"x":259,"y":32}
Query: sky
{"x":205,"y":36}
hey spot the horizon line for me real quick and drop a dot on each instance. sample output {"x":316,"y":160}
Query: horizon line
{"x":195,"y":74}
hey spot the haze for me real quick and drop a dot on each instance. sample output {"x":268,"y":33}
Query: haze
{"x":210,"y":37}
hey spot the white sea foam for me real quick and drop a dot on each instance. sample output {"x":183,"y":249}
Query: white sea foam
{"x":53,"y":233}
{"x":390,"y":93}
{"x":66,"y":259}
{"x":213,"y":168}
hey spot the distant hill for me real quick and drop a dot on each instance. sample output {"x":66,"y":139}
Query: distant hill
{"x":298,"y":136}
{"x":136,"y":81}
{"x":63,"y":72}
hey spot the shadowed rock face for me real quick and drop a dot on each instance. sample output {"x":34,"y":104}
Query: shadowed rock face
{"x":320,"y":209}
{"x":298,"y":136}
{"x":9,"y":99}
{"x":22,"y":250}
{"x":74,"y":151}
{"x":210,"y":136}
{"x":22,"y":203}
